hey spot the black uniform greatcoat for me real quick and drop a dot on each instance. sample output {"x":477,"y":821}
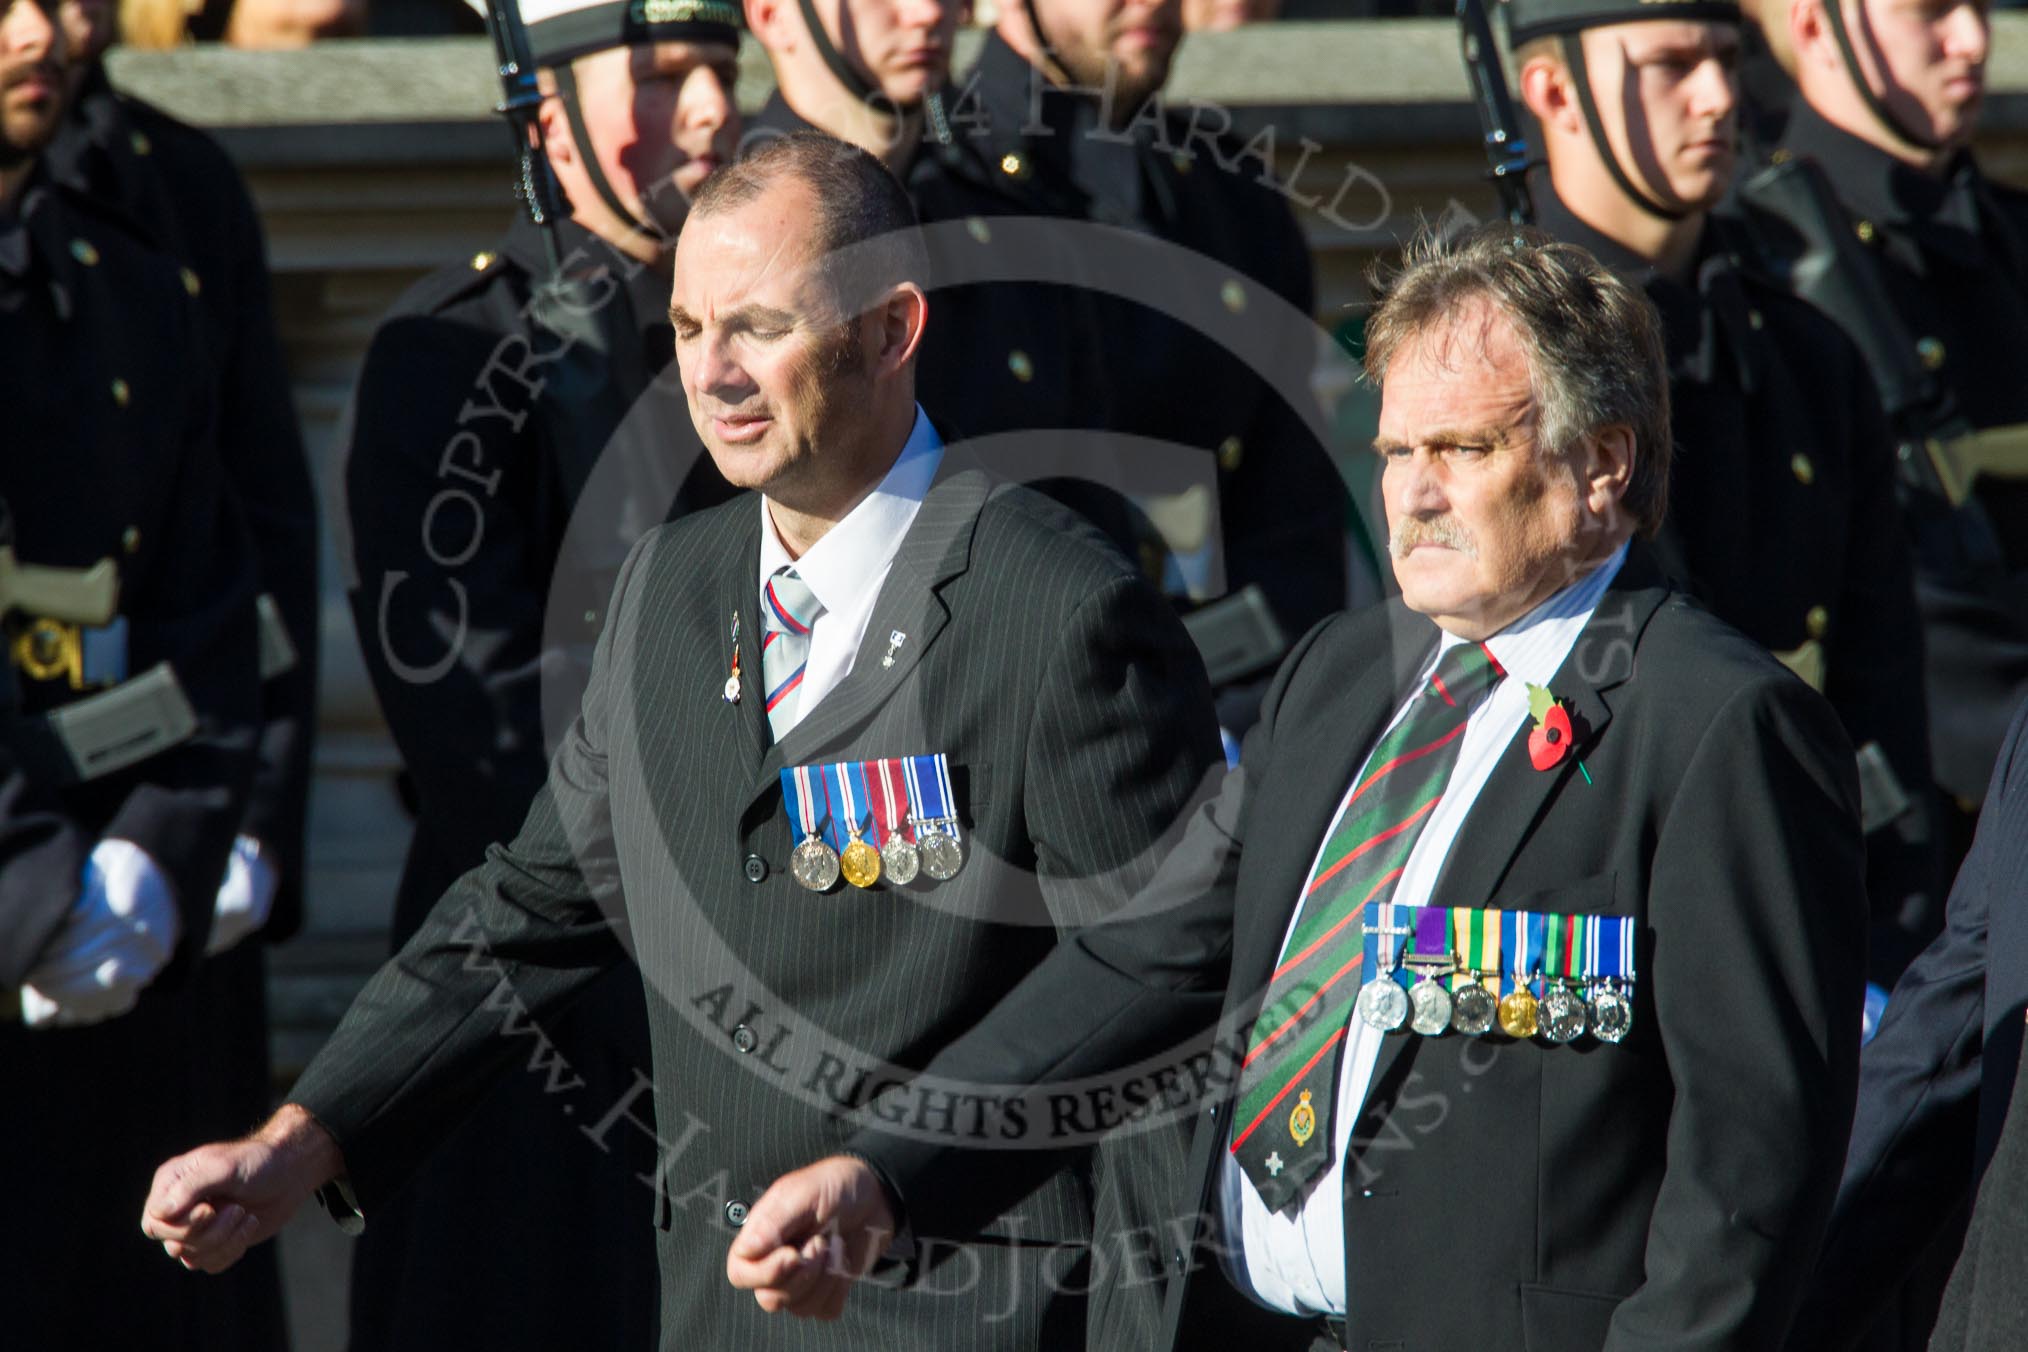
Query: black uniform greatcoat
{"x":1179,"y":372}
{"x":1665,"y":1192}
{"x":483,"y":419}
{"x":110,"y":453}
{"x":176,"y":185}
{"x":1078,"y":725}
{"x":1780,"y":496}
{"x":1952,"y":251}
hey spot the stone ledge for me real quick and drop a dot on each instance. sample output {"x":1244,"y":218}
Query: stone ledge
{"x":1375,"y":81}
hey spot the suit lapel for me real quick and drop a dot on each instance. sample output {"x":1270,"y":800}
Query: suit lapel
{"x":936,"y":549}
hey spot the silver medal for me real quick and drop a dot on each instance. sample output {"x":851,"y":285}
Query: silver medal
{"x":1383,"y":1004}
{"x":1474,"y":1009}
{"x":1562,"y":1015}
{"x":815,"y":865}
{"x":1429,"y":1007}
{"x":941,"y":855}
{"x":900,"y":861}
{"x":1612,"y":1012}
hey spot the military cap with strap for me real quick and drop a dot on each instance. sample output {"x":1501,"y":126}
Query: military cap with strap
{"x":1528,"y":20}
{"x":560,"y":31}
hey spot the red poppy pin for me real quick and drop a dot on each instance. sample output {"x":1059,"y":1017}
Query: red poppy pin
{"x":1550,"y":740}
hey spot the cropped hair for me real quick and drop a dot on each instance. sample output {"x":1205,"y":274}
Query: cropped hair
{"x":867,"y":234}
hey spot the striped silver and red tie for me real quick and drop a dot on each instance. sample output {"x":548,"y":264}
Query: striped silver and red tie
{"x":1298,"y":1039}
{"x":789,"y":609}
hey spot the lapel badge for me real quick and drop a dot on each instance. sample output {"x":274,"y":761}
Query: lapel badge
{"x":895,"y":638}
{"x":732,"y":681}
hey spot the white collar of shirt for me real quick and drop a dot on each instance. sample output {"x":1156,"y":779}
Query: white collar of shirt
{"x":847,"y":567}
{"x":1297,"y":1262}
{"x":1533,"y":648}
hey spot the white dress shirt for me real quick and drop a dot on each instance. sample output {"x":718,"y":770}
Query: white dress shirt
{"x":845,"y":569}
{"x":1296,"y":1262}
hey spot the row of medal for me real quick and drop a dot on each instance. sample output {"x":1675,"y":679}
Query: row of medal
{"x":1432,"y":969}
{"x":865,"y":820}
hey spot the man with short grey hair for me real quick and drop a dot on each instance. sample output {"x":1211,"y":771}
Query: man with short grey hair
{"x":1537,"y":895}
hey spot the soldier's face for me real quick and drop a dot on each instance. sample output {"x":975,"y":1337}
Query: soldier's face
{"x":904,"y":45}
{"x":1926,"y":59}
{"x":1135,"y":39}
{"x":661,"y":117}
{"x":775,"y":373}
{"x":31,"y":79}
{"x":1483,"y":523}
{"x":1668,"y":100}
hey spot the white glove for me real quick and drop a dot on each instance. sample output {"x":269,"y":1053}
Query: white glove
{"x":117,"y":937}
{"x":244,"y":898}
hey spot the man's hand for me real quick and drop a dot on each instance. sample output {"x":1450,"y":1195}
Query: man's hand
{"x":810,"y":1236}
{"x":210,"y":1206}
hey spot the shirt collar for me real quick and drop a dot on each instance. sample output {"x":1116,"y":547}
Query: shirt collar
{"x":1534,"y":647}
{"x":854,"y":554}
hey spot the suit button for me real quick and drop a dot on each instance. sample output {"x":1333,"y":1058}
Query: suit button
{"x":756,"y":869}
{"x":735,"y":1214}
{"x":745,"y":1039}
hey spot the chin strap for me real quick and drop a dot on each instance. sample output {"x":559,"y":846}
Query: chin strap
{"x":1834,"y":14}
{"x":587,"y":155}
{"x":1573,"y":57}
{"x":931,"y":105}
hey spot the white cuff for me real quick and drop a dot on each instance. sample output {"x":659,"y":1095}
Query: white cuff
{"x":245,"y":897}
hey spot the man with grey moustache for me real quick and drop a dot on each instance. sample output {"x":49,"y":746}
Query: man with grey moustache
{"x":1537,"y":896}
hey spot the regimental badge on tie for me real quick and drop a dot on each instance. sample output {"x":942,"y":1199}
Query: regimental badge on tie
{"x":1302,"y":1121}
{"x":865,"y":820}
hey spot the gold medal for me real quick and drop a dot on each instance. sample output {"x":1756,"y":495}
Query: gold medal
{"x":860,"y":863}
{"x":1518,"y":1014}
{"x":1303,"y":1121}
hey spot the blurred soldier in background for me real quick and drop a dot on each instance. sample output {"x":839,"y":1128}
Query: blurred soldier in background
{"x":1891,"y":95}
{"x":1065,"y":103}
{"x":1782,"y":499}
{"x":1013,"y":356}
{"x":495,"y":401}
{"x":138,"y":700}
{"x":175,"y":184}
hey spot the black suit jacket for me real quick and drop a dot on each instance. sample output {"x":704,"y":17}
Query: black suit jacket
{"x":1667,"y":1192}
{"x":1078,"y":724}
{"x":1935,"y":1083}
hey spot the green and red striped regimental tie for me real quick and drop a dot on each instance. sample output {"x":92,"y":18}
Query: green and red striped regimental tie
{"x":1297,"y":1041}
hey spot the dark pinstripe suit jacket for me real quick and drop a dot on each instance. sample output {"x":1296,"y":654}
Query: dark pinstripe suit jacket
{"x":1078,"y":724}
